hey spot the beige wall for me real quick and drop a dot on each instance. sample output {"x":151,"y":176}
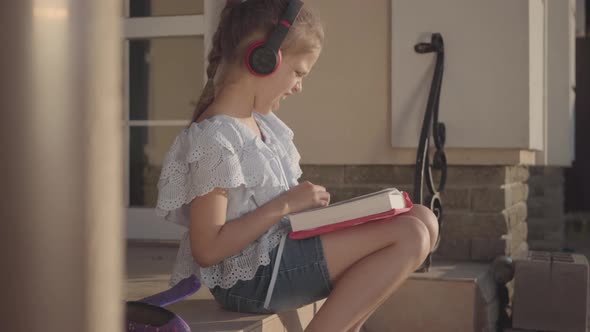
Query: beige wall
{"x":342,"y":117}
{"x":349,"y":92}
{"x":492,"y":96}
{"x":344,"y":109}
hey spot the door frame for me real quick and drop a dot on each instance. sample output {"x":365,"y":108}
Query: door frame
{"x":143,"y":223}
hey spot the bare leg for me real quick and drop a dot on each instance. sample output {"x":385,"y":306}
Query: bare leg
{"x":429,"y":219}
{"x":377,"y":257}
{"x":357,"y":327}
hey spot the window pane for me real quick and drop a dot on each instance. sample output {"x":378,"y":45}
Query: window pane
{"x":148,"y":148}
{"x":142,"y":8}
{"x":165,"y":77}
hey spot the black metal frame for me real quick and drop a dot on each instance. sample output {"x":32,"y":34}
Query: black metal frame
{"x":423,"y":167}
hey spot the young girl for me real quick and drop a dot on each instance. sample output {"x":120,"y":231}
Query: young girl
{"x":231,"y":179}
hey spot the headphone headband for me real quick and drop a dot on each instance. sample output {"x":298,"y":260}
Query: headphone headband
{"x":263,"y":58}
{"x":285,"y":21}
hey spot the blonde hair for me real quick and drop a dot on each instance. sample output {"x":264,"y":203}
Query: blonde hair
{"x":240,"y":22}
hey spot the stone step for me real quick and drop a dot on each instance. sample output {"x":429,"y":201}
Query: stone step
{"x":148,"y":268}
{"x":450,"y":297}
{"x":202,"y":313}
{"x":207,"y":316}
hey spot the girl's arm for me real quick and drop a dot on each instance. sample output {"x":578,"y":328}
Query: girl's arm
{"x":212,"y":240}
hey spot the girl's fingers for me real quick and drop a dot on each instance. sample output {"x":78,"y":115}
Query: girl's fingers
{"x":324,"y":196}
{"x":319,"y":188}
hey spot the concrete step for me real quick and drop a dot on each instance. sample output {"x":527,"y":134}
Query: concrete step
{"x":207,"y":316}
{"x":450,"y":297}
{"x":148,"y":272}
{"x":202,"y":313}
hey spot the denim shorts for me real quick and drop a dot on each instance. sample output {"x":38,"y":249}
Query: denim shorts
{"x":303,"y":278}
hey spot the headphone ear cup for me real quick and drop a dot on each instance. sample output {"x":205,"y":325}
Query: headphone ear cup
{"x":262,"y":60}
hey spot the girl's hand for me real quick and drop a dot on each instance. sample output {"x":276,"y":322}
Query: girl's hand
{"x":304,"y":196}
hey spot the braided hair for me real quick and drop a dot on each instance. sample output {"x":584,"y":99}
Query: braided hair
{"x":240,"y":21}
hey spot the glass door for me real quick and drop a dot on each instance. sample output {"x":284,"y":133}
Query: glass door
{"x":163,"y":77}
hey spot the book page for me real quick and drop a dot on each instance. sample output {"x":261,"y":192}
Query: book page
{"x":392,"y":190}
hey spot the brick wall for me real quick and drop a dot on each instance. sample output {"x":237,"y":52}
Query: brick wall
{"x":485,"y":207}
{"x":486,"y":212}
{"x":546,"y":208}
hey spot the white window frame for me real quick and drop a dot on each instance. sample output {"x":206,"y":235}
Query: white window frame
{"x":142,"y":223}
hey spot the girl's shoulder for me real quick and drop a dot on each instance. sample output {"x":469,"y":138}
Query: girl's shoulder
{"x":227,"y":130}
{"x":217,"y":131}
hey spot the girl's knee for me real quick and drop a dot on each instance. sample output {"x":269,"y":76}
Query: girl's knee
{"x":427,"y":217}
{"x":422,"y":212}
{"x":415,"y":238}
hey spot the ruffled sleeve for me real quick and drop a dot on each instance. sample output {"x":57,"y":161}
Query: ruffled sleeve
{"x":204,"y":157}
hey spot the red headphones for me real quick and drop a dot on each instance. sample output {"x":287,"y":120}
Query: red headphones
{"x":264,"y":57}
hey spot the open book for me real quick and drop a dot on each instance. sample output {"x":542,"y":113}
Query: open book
{"x":358,"y":210}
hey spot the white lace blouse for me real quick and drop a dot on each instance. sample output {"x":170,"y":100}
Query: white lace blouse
{"x":223,"y":152}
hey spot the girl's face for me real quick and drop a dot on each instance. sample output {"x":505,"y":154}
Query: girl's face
{"x":287,"y":80}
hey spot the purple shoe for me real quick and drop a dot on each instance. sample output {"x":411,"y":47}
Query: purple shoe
{"x":147,"y":314}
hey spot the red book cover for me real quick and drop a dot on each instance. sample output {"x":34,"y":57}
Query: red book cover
{"x":304,"y":234}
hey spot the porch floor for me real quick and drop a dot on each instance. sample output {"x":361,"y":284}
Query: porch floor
{"x":148,"y":272}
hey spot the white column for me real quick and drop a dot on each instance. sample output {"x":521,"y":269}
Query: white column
{"x":60,"y":93}
{"x":560,"y":79}
{"x":580,"y":23}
